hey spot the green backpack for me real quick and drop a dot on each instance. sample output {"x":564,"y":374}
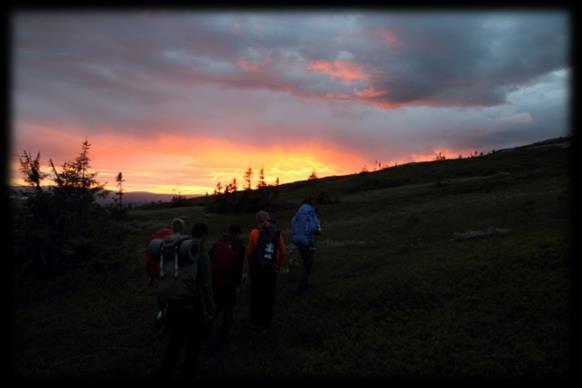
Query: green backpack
{"x":178,"y":270}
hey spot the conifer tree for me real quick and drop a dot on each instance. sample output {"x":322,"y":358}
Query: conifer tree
{"x":119,"y":179}
{"x":248,"y":176}
{"x":261,"y":183}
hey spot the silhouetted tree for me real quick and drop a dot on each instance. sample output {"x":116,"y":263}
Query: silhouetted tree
{"x":119,"y":179}
{"x":61,"y":220}
{"x":75,"y":177}
{"x":440,"y":156}
{"x":312,"y":176}
{"x":218,"y":189}
{"x":261,"y":183}
{"x":247,"y":178}
{"x":30,"y":168}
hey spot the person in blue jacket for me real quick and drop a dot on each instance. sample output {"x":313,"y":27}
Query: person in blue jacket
{"x":305,"y":226}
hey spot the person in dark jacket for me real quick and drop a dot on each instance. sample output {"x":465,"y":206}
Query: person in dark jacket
{"x":226,"y":262}
{"x":264,"y":258}
{"x":188,"y":320}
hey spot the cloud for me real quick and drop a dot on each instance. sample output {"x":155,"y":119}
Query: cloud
{"x":380,"y":85}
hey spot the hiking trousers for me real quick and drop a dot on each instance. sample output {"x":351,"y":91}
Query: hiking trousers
{"x":262,"y":298}
{"x":186,"y":328}
{"x":306,"y":253}
{"x":224,"y":299}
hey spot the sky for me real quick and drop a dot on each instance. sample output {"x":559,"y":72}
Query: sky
{"x":178,"y":101}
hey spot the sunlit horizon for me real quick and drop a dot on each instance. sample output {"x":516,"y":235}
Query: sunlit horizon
{"x":283,"y":169}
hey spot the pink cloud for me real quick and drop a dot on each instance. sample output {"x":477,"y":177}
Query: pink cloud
{"x":343,"y":70}
{"x":248,"y":66}
{"x":387,"y":37}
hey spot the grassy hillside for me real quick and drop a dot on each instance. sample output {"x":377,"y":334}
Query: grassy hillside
{"x":445,"y":269}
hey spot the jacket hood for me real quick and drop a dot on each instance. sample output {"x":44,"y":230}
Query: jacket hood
{"x":306,"y":209}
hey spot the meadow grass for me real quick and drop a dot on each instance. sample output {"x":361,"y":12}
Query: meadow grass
{"x":396,"y":295}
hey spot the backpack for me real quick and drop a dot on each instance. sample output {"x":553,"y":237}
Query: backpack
{"x":303,"y":226}
{"x":223,"y":262}
{"x":178,"y":270}
{"x":266,"y":250}
{"x":152,"y":255}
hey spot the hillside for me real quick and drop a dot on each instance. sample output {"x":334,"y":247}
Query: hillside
{"x":446,"y":269}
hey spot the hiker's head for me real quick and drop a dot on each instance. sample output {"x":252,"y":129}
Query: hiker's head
{"x":178,"y":225}
{"x":235,"y":230}
{"x":262,"y":217}
{"x":200,"y":231}
{"x":307,"y":201}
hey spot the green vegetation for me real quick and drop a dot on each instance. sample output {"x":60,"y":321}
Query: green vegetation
{"x":448,"y":269}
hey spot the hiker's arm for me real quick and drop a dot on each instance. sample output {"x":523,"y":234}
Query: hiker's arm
{"x":211,"y":251}
{"x":239,"y":266}
{"x":281,"y":253}
{"x":250,"y":249}
{"x":206,"y":283}
{"x":316,"y":225}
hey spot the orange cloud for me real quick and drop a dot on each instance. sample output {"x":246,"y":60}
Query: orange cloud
{"x":343,"y":70}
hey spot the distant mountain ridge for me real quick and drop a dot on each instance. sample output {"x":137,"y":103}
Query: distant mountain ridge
{"x":130,"y":197}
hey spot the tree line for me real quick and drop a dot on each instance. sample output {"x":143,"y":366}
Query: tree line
{"x":229,"y":198}
{"x":55,"y":225}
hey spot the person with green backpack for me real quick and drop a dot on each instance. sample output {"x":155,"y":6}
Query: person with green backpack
{"x":185,"y":291}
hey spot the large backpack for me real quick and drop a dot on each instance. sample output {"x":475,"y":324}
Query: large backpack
{"x":224,"y":261}
{"x":152,"y":254}
{"x":303,"y":226}
{"x":178,"y":270}
{"x":267,"y":248}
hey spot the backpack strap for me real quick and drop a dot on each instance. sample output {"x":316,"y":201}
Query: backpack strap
{"x":176,"y":268}
{"x":162,"y":262}
{"x":176,"y":257}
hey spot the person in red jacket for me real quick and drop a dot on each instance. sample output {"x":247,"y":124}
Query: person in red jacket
{"x":264,"y":258}
{"x":226,"y":261}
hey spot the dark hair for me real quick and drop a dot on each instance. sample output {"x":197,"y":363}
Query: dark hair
{"x":199,"y":230}
{"x":234,"y":229}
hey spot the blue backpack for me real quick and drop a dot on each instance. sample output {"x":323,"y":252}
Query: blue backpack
{"x":304,"y":225}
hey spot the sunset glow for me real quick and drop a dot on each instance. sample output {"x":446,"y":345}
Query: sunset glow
{"x":178,"y":102}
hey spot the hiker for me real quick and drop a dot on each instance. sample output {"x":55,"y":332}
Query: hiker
{"x":186,"y":290}
{"x":226,"y":263}
{"x":304,"y":227}
{"x":264,"y":258}
{"x":151,"y":255}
